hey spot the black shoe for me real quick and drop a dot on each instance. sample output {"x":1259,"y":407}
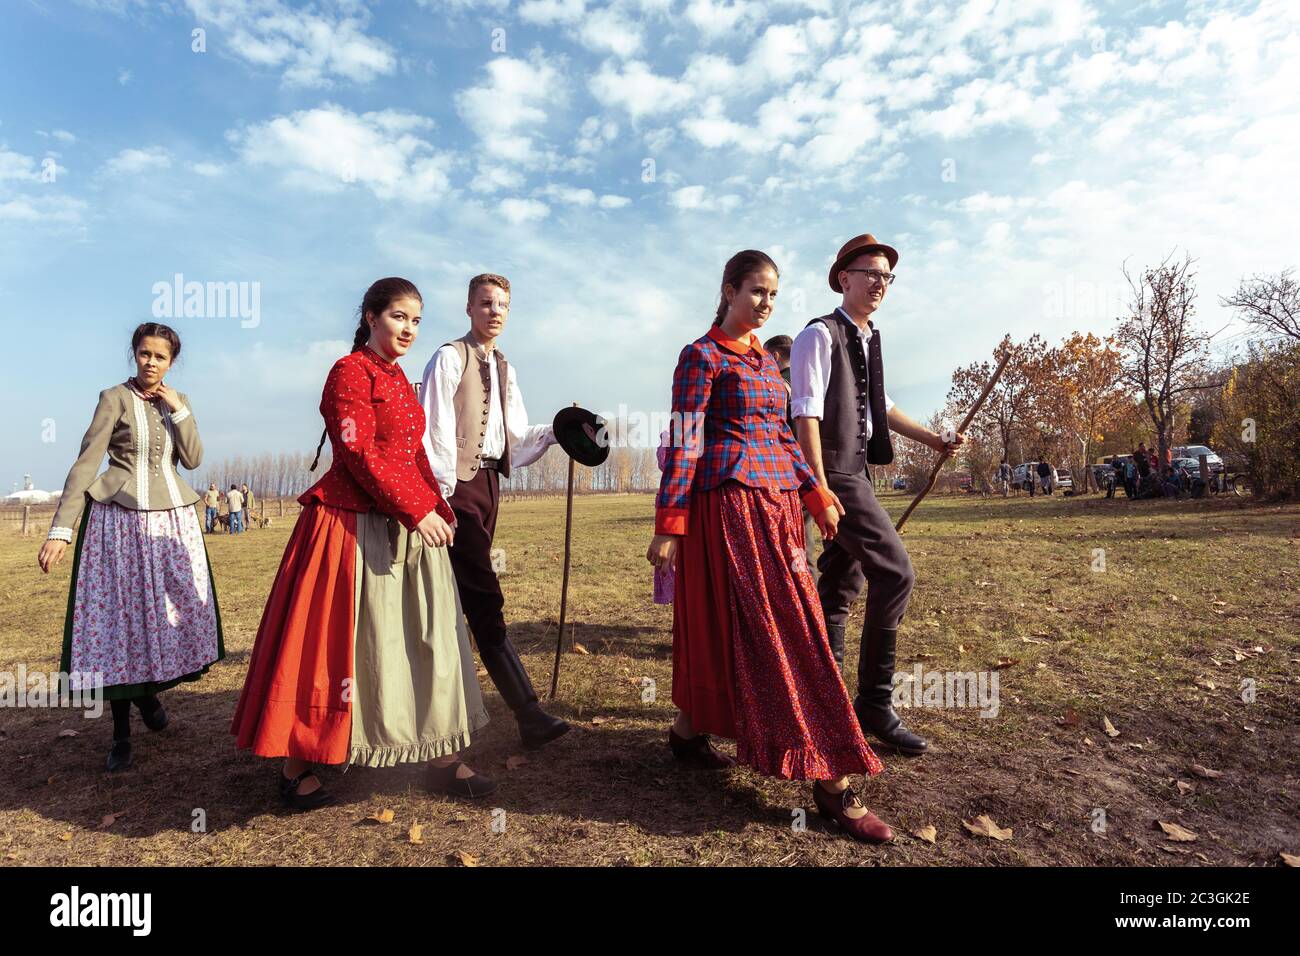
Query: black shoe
{"x":536,"y":726}
{"x":119,"y":755}
{"x":444,"y":780}
{"x":874,"y":704}
{"x":303,"y":801}
{"x":152,"y":711}
{"x":698,"y":751}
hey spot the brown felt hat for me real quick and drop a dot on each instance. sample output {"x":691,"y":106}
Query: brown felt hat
{"x":858,"y":246}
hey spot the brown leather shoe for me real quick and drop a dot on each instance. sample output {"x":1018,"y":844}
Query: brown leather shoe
{"x":868,"y":829}
{"x":698,"y":752}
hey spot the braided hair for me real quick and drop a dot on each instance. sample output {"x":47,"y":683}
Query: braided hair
{"x":381,"y":294}
{"x":743,"y":263}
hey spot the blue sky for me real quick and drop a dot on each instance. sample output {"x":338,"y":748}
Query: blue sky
{"x":608,"y":157}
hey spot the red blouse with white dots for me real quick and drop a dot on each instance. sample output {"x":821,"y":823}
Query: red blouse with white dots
{"x":376,"y":429}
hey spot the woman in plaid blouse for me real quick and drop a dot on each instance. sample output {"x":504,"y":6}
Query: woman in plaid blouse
{"x":751,"y":660}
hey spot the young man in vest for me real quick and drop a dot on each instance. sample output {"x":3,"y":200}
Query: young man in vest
{"x":843,"y":418}
{"x":477,"y":430}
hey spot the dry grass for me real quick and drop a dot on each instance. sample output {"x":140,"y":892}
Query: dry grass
{"x":1185,"y":584}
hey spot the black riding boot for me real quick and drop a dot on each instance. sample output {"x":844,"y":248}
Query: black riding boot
{"x":874,"y":703}
{"x":835,"y":632}
{"x":536,"y":726}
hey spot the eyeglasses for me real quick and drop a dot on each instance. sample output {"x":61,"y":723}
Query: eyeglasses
{"x":875,"y":275}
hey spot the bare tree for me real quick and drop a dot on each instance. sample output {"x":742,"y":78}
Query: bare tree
{"x":1164,"y":352}
{"x":1269,"y":303}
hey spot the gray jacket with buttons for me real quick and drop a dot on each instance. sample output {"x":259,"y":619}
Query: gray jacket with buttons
{"x":144,"y":441}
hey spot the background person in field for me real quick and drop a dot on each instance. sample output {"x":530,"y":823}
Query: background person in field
{"x":362,"y":655}
{"x":844,"y":417}
{"x":235,"y":506}
{"x":750,"y":656}
{"x":247,"y":500}
{"x":143,"y":609}
{"x":778,"y":346}
{"x":211,"y":507}
{"x":477,"y":431}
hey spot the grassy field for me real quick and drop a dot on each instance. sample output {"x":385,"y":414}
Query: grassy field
{"x":1196,"y":597}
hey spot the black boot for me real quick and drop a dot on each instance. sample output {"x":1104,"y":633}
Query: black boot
{"x":119,"y":755}
{"x":835,"y":633}
{"x":874,"y":703}
{"x":536,"y":726}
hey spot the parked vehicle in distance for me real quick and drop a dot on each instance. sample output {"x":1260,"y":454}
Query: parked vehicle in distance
{"x":900,"y":483}
{"x":1026,"y":474}
{"x":1063,"y":481}
{"x":1195,"y":451}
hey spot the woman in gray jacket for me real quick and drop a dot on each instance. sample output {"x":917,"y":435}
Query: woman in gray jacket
{"x":142,"y":609}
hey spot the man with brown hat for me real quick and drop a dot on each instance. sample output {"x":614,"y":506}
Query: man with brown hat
{"x":843,"y":418}
{"x":477,"y":430}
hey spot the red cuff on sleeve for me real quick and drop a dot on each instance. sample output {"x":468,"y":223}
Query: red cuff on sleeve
{"x":817,"y":499}
{"x":671,"y":520}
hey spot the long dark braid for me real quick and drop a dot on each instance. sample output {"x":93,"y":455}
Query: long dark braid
{"x":381,"y":294}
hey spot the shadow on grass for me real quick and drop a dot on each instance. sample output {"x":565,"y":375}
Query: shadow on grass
{"x":614,"y":774}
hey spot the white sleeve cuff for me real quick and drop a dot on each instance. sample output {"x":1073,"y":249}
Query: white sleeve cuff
{"x":178,"y":417}
{"x":60,"y":534}
{"x":889,"y":403}
{"x":808,"y":407}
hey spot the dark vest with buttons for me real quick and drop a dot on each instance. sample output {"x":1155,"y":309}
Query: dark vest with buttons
{"x":471,"y":402}
{"x":845,"y":448}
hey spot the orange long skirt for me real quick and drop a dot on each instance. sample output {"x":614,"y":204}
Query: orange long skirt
{"x":295,"y":701}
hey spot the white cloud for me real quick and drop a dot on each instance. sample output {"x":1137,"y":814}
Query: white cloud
{"x":549,"y":12}
{"x":723,"y":17}
{"x":698,"y":198}
{"x":633,"y":87}
{"x":131,"y":162}
{"x":519,"y":211}
{"x":608,"y":31}
{"x":506,"y":109}
{"x":312,"y":48}
{"x":331,"y":148}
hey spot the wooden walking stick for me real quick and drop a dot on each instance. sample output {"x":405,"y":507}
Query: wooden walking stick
{"x":564,"y":587}
{"x":946,"y":453}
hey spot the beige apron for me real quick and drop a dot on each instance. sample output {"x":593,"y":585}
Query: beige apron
{"x":415,"y":695}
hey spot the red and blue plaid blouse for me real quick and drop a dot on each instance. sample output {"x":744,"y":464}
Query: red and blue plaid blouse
{"x":729,"y":423}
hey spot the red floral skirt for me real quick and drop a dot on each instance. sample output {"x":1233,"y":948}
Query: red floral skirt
{"x":751,"y":660}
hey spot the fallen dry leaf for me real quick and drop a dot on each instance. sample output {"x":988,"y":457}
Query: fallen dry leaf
{"x":1205,"y":772}
{"x":600,"y":720}
{"x":65,"y":837}
{"x":382,"y":816}
{"x":415,"y":834}
{"x":579,"y":649}
{"x":1176,"y":833}
{"x":1071,"y":718}
{"x":1290,"y":859}
{"x":983,"y":825}
{"x":109,"y":819}
{"x":463,"y":858}
{"x":514,"y":762}
{"x":1107,"y":726}
{"x":928,"y":834}
{"x":1185,"y":787}
{"x":1005,"y":662}
{"x":68,"y":733}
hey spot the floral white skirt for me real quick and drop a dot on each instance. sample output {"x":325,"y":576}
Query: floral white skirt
{"x":142,"y":613}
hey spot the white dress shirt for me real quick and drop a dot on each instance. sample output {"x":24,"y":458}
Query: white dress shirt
{"x":441,"y":379}
{"x":810,"y":370}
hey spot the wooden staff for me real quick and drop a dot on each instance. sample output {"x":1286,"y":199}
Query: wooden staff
{"x":564,"y":587}
{"x":947,"y":453}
